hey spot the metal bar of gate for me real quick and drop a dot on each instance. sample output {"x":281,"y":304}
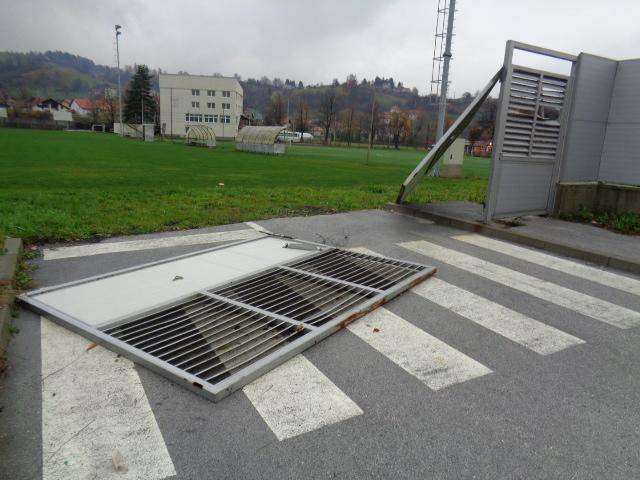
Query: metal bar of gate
{"x":445,"y":142}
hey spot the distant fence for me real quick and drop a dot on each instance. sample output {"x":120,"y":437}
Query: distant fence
{"x":35,"y":123}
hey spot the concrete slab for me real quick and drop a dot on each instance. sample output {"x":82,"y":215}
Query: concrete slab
{"x":582,"y":241}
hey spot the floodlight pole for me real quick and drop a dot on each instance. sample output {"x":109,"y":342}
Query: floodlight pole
{"x":442,"y":110}
{"x":118,"y":33}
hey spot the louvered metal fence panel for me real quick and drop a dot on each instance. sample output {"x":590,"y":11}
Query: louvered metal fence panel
{"x":532,"y":127}
{"x":216,"y":340}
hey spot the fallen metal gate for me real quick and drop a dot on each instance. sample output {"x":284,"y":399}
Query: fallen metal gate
{"x":214,"y":340}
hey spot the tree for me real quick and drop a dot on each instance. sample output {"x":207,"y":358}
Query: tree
{"x":348,"y":123}
{"x":275,"y":114}
{"x":95,"y":113}
{"x":302,"y":117}
{"x":487,"y":117}
{"x":474,"y":135}
{"x":398,"y":127}
{"x":139,"y":99}
{"x":374,"y":122}
{"x":111,"y":104}
{"x":327,"y":111}
{"x":300,"y":84}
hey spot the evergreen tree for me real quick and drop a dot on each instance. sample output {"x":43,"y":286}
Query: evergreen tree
{"x":139,"y":97}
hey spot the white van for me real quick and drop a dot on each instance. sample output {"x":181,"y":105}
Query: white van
{"x":288,"y":136}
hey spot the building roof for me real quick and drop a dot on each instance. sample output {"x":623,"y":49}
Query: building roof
{"x":89,"y":104}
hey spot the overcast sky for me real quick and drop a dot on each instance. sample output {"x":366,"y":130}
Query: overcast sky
{"x":316,"y":41}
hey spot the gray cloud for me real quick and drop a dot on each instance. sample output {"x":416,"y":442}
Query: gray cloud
{"x":317,"y":41}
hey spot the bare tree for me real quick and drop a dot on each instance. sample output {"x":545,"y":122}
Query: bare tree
{"x":474,"y":135}
{"x":276,"y":113}
{"x":400,"y":128}
{"x":373,"y":128}
{"x":348,"y":123}
{"x":487,"y":117}
{"x":327,"y":111}
{"x":302,"y":118}
{"x":111,"y":104}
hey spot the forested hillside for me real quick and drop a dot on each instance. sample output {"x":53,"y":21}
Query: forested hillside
{"x":63,"y":75}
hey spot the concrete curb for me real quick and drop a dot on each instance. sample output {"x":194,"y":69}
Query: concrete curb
{"x":8,"y":264}
{"x":613,"y":261}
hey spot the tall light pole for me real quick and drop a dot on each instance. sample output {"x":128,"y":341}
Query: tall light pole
{"x":118,"y":33}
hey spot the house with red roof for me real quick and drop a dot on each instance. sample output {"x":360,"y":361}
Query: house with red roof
{"x":84,"y":106}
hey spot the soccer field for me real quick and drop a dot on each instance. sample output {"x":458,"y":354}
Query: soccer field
{"x":61,"y":186}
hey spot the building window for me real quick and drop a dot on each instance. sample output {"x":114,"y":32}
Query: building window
{"x":195,"y":104}
{"x":193,"y":117}
{"x":227,"y":118}
{"x":208,"y":118}
{"x":211,"y":105}
{"x":195,"y":92}
{"x":226,"y":93}
{"x":226,"y":106}
{"x":215,"y":119}
{"x":211,"y":93}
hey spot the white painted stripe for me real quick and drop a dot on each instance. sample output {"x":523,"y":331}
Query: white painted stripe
{"x":93,"y":405}
{"x":257,"y":227}
{"x":598,"y":275}
{"x":365,"y":251}
{"x":425,"y":357}
{"x":519,"y":328}
{"x":297,"y":398}
{"x":513,"y":325}
{"x":586,"y":305}
{"x":134,"y":245}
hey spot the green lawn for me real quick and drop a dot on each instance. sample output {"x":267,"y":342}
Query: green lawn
{"x":60,"y":186}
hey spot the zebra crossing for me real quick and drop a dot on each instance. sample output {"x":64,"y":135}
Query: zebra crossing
{"x":297,"y":397}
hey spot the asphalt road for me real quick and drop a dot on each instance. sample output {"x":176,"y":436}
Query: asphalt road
{"x":509,"y":365}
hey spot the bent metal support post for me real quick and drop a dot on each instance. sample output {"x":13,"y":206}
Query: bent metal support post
{"x":447,"y":139}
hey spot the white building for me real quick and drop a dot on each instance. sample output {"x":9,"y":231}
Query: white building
{"x":59,"y":112}
{"x":186,"y":100}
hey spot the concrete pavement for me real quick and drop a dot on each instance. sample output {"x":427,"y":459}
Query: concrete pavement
{"x":494,"y":370}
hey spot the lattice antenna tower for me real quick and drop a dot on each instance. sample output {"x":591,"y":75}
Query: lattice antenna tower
{"x":438,"y":50}
{"x":442,"y":58}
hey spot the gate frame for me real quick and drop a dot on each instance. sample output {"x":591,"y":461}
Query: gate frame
{"x":503,"y":105}
{"x":221,"y":389}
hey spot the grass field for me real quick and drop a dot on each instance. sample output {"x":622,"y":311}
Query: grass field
{"x":61,"y":186}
